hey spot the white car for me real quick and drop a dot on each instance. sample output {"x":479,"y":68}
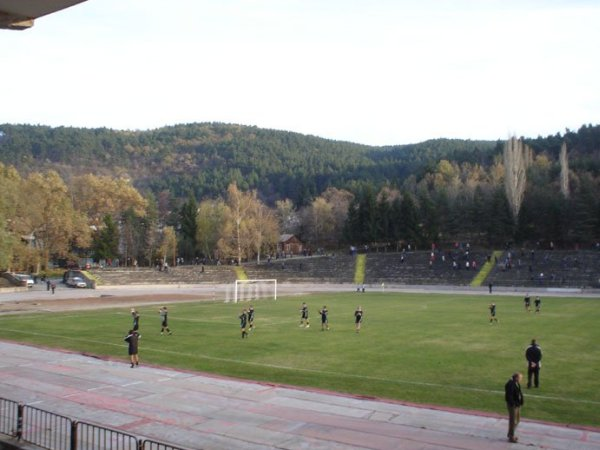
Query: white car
{"x":28,"y":279}
{"x":77,"y":282}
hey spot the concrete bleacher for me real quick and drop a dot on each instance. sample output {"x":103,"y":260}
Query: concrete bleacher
{"x":391,"y":267}
{"x":419,"y":268}
{"x":561,"y":269}
{"x":331,"y":268}
{"x":548,"y":269}
{"x":175,"y":275}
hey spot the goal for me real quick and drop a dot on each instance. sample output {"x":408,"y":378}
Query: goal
{"x":246,"y":290}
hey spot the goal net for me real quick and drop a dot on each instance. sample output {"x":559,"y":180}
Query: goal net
{"x":247,"y":290}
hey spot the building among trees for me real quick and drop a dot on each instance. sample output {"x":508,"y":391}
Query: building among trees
{"x":290,"y":244}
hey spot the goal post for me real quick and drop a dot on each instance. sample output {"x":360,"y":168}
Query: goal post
{"x":246,"y":290}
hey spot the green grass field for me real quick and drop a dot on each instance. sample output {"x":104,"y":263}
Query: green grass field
{"x":436,"y":349}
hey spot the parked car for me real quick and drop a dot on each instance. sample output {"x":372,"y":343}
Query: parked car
{"x":27,"y":280}
{"x":76,"y":282}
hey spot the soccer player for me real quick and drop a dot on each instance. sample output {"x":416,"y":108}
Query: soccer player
{"x":358,"y":317}
{"x":136,"y":319}
{"x":304,"y":316}
{"x":324,"y":321}
{"x":251,"y":318}
{"x":132,"y":339}
{"x":538,"y":304}
{"x":527,"y":301}
{"x":164,"y":321}
{"x":492,"y":309}
{"x":244,"y":322}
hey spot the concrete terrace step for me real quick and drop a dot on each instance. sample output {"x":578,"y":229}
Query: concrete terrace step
{"x":175,"y":275}
{"x":560,"y":268}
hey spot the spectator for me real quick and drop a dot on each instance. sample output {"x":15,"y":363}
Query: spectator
{"x":514,"y":402}
{"x":533,"y":354}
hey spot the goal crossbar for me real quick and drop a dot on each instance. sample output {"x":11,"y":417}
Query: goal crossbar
{"x":254,"y":288}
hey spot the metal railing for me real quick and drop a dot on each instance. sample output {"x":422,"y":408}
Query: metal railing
{"x":9,"y":417}
{"x":92,"y":437}
{"x":45,"y":429}
{"x":153,"y":445}
{"x":55,"y":432}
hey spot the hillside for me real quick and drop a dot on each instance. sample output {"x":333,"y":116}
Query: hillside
{"x":204,"y":158}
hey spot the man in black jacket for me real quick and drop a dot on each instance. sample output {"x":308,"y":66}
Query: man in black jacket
{"x":514,"y":401}
{"x":533,"y":354}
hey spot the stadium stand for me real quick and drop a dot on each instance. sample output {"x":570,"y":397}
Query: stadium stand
{"x":546,"y":269}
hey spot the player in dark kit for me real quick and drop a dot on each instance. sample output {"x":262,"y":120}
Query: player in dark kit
{"x":244,"y":322}
{"x":136,"y":319}
{"x":132,"y":339}
{"x":164,"y":320}
{"x":493,"y":317}
{"x":538,"y":304}
{"x":251,"y":318}
{"x":527,"y":301}
{"x":304,"y":316}
{"x":324,"y":320}
{"x":358,"y":317}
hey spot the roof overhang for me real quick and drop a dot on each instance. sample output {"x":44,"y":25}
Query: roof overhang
{"x":20,"y":14}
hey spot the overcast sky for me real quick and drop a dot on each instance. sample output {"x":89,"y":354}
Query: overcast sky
{"x":369,"y":71}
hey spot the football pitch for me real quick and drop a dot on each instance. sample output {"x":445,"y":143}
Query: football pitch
{"x":437,"y":349}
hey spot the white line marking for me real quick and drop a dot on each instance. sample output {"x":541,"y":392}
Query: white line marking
{"x":323,"y":372}
{"x":98,"y":388}
{"x":132,"y":384}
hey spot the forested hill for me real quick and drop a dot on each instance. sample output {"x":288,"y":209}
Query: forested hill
{"x":204,"y":158}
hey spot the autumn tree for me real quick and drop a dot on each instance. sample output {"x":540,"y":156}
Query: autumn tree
{"x":287,"y":216}
{"x":236,"y":237}
{"x":564,"y":171}
{"x":263,"y":228}
{"x":339,"y":201}
{"x":249,"y":227}
{"x":51,"y":217}
{"x":318,"y":222}
{"x":149,"y":231}
{"x":11,"y":183}
{"x":97,"y":196}
{"x":168,"y":246}
{"x":210,"y":221}
{"x":517,"y":158}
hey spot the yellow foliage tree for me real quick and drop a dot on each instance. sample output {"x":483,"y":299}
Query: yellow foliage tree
{"x":97,"y":196}
{"x":168,"y":247}
{"x":50,"y":217}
